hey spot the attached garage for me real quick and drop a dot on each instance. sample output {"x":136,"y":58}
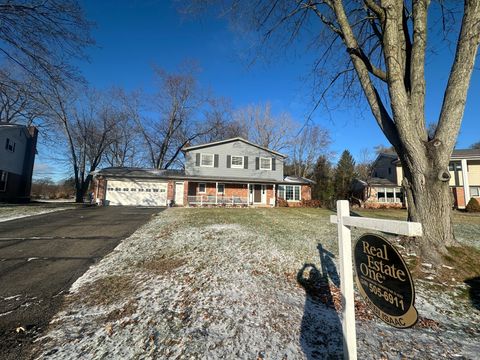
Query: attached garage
{"x":136,"y":193}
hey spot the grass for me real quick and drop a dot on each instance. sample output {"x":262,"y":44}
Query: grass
{"x":13,"y":211}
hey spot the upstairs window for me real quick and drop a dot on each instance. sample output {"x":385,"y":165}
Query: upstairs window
{"x":237,"y":162}
{"x":10,"y":145}
{"x":265,"y":163}
{"x":206,"y":160}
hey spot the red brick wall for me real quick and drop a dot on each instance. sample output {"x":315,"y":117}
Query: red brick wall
{"x":99,"y":189}
{"x":170,"y":190}
{"x":459,"y":197}
{"x":306,"y":192}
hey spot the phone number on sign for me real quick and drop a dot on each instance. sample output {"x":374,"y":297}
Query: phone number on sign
{"x":392,"y":299}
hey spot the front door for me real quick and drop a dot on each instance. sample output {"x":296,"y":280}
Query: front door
{"x":179,"y":193}
{"x":257,"y":194}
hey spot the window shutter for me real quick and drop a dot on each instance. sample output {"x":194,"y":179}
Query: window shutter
{"x":257,"y":163}
{"x":197,"y":159}
{"x":245,"y":162}
{"x":229,"y":161}
{"x":215,"y":160}
{"x":273,"y":164}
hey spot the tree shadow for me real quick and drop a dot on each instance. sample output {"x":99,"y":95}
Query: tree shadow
{"x":321,"y":335}
{"x":474,"y":291}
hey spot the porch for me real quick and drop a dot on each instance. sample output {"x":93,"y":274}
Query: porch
{"x":230,"y":194}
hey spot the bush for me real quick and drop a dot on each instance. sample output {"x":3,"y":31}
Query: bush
{"x":311,"y":203}
{"x":473,"y":205}
{"x":282,"y":203}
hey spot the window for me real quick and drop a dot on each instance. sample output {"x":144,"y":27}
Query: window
{"x":474,"y":191}
{"x":148,"y":190}
{"x":202,"y":187}
{"x":206,"y":160}
{"x":155,"y":190}
{"x":237,"y":162}
{"x":221,"y":188}
{"x":10,"y":145}
{"x":3,"y":180}
{"x":117,"y":189}
{"x":265,"y":163}
{"x":289,"y":192}
{"x":133,"y":189}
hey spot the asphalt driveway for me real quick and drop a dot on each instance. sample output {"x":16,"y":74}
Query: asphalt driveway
{"x":41,"y":256}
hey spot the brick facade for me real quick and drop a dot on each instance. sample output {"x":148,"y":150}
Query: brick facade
{"x":459,"y":197}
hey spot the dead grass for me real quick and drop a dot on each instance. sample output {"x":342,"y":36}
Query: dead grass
{"x":161,"y":265}
{"x":107,"y":290}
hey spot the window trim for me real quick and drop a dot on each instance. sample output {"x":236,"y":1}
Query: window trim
{"x":206,"y":154}
{"x":236,"y":166}
{"x":205,"y":188}
{"x":283,"y":189}
{"x":4,"y":175}
{"x":269,"y":161}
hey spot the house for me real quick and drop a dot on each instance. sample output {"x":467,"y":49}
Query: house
{"x":17,"y":155}
{"x":384,"y":188}
{"x":232,"y":172}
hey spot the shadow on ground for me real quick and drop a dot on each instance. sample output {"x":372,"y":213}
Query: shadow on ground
{"x":474,"y":291}
{"x":321,"y":334}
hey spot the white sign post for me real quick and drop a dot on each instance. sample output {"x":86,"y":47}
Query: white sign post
{"x":344,"y":222}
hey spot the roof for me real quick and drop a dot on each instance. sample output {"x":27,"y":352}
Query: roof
{"x":6,"y":125}
{"x":141,"y":173}
{"x":376,"y":181}
{"x":457,"y":154}
{"x":297,"y":180}
{"x":189,"y":148}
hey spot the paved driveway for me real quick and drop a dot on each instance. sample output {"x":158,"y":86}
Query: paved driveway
{"x":41,"y":256}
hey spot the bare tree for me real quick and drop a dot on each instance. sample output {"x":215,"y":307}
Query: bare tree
{"x":40,"y":36}
{"x":264,"y":128}
{"x":17,"y":97}
{"x":88,"y":127}
{"x":384,"y":47}
{"x":310,"y":143}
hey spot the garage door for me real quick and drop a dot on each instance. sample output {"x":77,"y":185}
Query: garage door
{"x":136,"y":193}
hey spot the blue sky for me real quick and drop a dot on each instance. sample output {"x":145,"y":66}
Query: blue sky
{"x":133,"y":35}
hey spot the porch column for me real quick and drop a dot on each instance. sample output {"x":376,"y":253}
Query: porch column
{"x":466,"y":185}
{"x":274,"y":195}
{"x":216,"y":193}
{"x":394,"y":195}
{"x":248,"y":194}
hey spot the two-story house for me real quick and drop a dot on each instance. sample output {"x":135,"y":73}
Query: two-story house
{"x":384,"y":187}
{"x":233,"y":172}
{"x":17,"y":155}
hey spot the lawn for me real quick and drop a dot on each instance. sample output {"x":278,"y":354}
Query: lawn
{"x":241,"y":284}
{"x":16,"y":211}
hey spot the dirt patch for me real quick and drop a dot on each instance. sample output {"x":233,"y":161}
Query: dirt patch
{"x":161,"y":265}
{"x":106,"y":291}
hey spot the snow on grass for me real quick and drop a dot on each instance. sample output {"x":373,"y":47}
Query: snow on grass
{"x":12,"y":212}
{"x":235,"y":284}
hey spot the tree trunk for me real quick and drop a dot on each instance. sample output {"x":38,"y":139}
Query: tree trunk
{"x":429,"y":201}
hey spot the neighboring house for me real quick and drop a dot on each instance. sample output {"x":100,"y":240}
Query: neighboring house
{"x":385,"y":185}
{"x":17,"y":155}
{"x":233,"y":172}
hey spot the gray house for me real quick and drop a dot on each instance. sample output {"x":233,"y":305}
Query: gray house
{"x":17,"y":155}
{"x":229,"y":173}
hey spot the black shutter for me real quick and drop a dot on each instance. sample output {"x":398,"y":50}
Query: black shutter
{"x":197,"y":159}
{"x":215,"y":160}
{"x":245,"y":162}
{"x":257,"y":163}
{"x":273,"y":164}
{"x":229,"y":161}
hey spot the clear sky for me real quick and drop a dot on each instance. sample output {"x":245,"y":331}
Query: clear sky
{"x":133,"y":35}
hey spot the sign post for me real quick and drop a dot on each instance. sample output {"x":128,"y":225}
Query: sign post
{"x":344,"y":221}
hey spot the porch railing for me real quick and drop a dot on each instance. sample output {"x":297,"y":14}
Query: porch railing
{"x":200,"y":200}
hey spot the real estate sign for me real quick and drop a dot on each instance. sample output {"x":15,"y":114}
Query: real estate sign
{"x":384,"y":281}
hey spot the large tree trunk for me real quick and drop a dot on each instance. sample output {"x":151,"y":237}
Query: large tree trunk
{"x":429,"y":201}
